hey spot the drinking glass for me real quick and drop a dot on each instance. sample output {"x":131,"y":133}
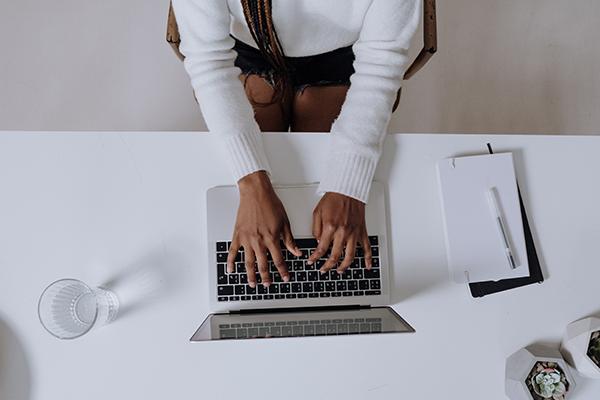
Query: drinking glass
{"x":69,"y":308}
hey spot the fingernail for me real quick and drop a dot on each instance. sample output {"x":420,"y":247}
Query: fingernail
{"x":309,"y":262}
{"x":286,"y":278}
{"x":252,"y":284}
{"x":322,"y":272}
{"x":266,"y":284}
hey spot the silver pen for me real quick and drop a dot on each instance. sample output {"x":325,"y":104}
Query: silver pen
{"x":501,"y":226}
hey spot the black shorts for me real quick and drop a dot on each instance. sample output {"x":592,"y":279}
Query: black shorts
{"x":332,"y":68}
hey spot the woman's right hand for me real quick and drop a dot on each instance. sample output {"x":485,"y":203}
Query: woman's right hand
{"x":260,"y":226}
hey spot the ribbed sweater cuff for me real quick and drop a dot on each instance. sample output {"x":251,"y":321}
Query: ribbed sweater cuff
{"x":247,"y":154}
{"x":350,"y":175}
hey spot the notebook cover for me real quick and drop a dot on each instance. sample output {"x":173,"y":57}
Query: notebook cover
{"x":481,"y":289}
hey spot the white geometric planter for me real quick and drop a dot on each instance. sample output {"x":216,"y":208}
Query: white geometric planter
{"x":520,"y":365}
{"x":576,"y":343}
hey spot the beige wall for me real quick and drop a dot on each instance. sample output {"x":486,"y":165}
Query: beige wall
{"x":503,"y":66}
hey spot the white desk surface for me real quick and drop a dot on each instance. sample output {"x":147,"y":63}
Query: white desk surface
{"x":96,"y":206}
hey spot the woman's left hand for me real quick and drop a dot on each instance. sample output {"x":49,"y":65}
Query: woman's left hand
{"x":339,"y":222}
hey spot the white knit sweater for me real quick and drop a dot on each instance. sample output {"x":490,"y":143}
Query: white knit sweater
{"x":380,"y":32}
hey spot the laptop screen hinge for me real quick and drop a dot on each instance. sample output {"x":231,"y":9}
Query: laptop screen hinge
{"x":300,"y":309}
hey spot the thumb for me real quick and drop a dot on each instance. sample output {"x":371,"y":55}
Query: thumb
{"x":288,"y":240}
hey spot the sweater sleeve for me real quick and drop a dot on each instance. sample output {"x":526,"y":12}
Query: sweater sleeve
{"x":204,"y":27}
{"x":357,"y":135}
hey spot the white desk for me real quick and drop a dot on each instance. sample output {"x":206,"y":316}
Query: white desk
{"x":95,"y":206}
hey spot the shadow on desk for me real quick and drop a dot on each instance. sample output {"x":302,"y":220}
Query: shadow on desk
{"x":15,"y":371}
{"x":147,"y":280}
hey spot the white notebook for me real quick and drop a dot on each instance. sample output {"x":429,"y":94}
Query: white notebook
{"x":474,"y":243}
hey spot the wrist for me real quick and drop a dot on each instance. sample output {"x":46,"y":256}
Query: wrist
{"x":255,"y":183}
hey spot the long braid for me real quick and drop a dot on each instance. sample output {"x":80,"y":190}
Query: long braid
{"x":259,"y":17}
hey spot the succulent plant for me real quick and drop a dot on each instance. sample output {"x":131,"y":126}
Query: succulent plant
{"x":550,"y":383}
{"x":594,"y":348}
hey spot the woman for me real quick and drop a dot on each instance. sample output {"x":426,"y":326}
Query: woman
{"x":304,"y":65}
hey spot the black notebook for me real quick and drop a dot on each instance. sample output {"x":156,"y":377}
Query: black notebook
{"x":480,"y":289}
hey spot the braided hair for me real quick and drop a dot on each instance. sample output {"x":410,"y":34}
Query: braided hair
{"x":259,"y":17}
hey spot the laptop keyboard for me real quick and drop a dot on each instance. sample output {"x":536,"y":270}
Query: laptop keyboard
{"x":305,"y":280}
{"x":324,"y":327}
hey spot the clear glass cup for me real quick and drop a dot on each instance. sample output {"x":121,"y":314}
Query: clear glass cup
{"x":69,"y":308}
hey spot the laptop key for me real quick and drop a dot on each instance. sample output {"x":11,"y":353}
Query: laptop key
{"x":301,"y":276}
{"x":268,"y":297}
{"x":222,"y":280}
{"x":298,"y":265}
{"x":286,"y":331}
{"x":324,"y":294}
{"x":374,"y":240}
{"x":221,"y":269}
{"x":290,"y":296}
{"x":313,"y":295}
{"x":359,"y":293}
{"x":234,"y":279}
{"x":335,"y":276}
{"x":261,"y":289}
{"x":239,"y":289}
{"x":324,"y":277}
{"x":363,"y":285}
{"x":225,"y":290}
{"x":284,"y":288}
{"x":330,"y":286}
{"x":223,"y":298}
{"x":341,"y":286}
{"x":313,"y":276}
{"x":336,"y":294}
{"x":221,"y":257}
{"x":375,"y":262}
{"x":274,"y":288}
{"x":279,"y":296}
{"x":372,"y":292}
{"x":357,"y":274}
{"x":257,"y":297}
{"x":375,"y":251}
{"x":319,"y":286}
{"x":250,"y":290}
{"x":372,"y":273}
{"x":221,"y":246}
{"x":234,"y":298}
{"x":306,"y":243}
{"x":352,"y":285}
{"x":375,"y":284}
{"x":296,"y":287}
{"x":246,"y":298}
{"x":307,"y":287}
{"x":346,"y":294}
{"x":347,"y":274}
{"x":303,"y":295}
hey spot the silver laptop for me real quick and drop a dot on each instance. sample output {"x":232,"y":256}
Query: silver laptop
{"x":311,"y":304}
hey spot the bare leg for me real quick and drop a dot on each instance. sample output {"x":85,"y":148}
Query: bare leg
{"x":272,"y":117}
{"x":316,"y":108}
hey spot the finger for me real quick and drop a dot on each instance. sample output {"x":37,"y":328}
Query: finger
{"x":250,"y":262}
{"x":317,"y":227}
{"x":233,"y":251}
{"x":336,"y":253}
{"x":279,"y":261}
{"x":366,"y":245}
{"x":350,"y":252}
{"x":288,"y":240}
{"x":322,"y":248}
{"x":263,"y":265}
